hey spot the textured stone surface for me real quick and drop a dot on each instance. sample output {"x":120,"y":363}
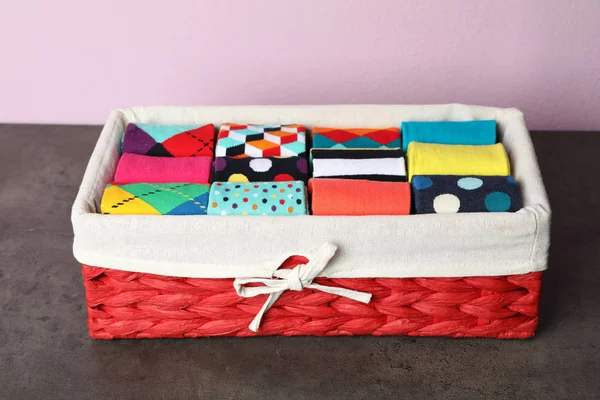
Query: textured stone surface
{"x":45,"y":352}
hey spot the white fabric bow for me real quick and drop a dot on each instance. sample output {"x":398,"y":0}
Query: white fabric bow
{"x":294,"y":279}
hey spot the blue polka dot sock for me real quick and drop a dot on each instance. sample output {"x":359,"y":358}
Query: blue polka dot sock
{"x":463,"y":194}
{"x":257,"y":198}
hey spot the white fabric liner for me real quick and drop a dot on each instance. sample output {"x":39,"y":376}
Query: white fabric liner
{"x":451,"y":245}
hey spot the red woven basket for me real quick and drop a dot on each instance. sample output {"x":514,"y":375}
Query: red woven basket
{"x":139,"y":305}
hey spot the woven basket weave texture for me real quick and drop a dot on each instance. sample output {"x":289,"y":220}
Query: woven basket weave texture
{"x":138,"y":305}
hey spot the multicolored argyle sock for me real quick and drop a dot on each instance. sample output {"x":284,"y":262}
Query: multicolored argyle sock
{"x":155,"y":199}
{"x":338,"y":138}
{"x":169,"y":140}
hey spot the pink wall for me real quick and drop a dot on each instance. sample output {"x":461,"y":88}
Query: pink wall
{"x":69,"y":61}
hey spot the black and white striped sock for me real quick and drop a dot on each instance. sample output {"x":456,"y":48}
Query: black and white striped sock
{"x":370,"y":164}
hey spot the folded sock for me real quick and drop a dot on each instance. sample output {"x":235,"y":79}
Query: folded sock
{"x":370,"y":164}
{"x":277,"y":169}
{"x":242,"y":141}
{"x":169,"y":140}
{"x":133,"y":168}
{"x":359,"y":197}
{"x":257,"y":198}
{"x":449,"y":132}
{"x":446,"y":159}
{"x":155,"y":199}
{"x":462,"y":194}
{"x":342,"y":138}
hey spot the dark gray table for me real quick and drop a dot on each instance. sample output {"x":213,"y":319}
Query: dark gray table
{"x":45,"y":352}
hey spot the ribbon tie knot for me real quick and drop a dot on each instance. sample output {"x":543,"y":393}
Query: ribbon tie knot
{"x":293,"y":279}
{"x":297,"y":279}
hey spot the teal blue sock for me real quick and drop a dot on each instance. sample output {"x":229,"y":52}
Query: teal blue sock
{"x":449,"y":132}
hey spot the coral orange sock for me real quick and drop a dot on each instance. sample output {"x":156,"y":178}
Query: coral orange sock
{"x":359,"y":197}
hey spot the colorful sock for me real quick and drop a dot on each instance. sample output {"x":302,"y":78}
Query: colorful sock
{"x":341,"y":138}
{"x":242,"y":141}
{"x":169,"y":140}
{"x":370,"y":164}
{"x":277,"y":169}
{"x":359,"y":197}
{"x":155,"y":199}
{"x":257,"y":198}
{"x":133,"y":168}
{"x":463,"y":194}
{"x":449,"y":132}
{"x":447,"y":159}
